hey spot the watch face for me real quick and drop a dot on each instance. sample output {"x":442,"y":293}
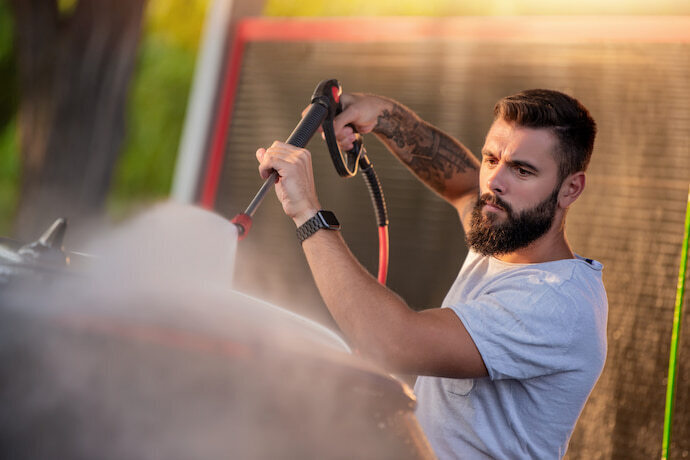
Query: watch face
{"x":329,"y":219}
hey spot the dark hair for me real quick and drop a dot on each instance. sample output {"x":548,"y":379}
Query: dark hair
{"x":569,"y":120}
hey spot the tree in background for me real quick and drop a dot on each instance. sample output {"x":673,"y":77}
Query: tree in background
{"x":157,"y":104}
{"x":75,"y":61}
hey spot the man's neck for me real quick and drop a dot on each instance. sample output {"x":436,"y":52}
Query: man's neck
{"x":553,"y":245}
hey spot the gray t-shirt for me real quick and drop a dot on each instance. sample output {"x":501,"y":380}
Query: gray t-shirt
{"x":541,"y":331}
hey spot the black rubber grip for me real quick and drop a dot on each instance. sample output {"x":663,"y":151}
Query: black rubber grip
{"x":375,"y":191}
{"x":308,"y":125}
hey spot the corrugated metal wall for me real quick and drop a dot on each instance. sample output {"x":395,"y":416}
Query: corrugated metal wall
{"x":630,"y":216}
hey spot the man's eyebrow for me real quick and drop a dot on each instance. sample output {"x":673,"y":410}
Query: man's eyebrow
{"x":514,"y":163}
{"x":522,"y":164}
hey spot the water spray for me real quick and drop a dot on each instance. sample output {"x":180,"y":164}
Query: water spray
{"x":325,"y":105}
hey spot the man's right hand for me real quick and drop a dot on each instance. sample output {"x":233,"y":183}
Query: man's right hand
{"x":359,"y":110}
{"x":437,"y":159}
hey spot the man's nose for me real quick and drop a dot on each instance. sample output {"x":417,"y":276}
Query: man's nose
{"x":496,"y":180}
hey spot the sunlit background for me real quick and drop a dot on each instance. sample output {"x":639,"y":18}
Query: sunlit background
{"x":157,"y":97}
{"x":629,"y":218}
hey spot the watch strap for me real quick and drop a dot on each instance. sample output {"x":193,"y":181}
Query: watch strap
{"x":316,"y":223}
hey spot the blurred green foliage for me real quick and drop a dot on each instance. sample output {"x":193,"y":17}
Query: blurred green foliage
{"x":9,"y":156}
{"x":9,"y":175}
{"x":158,"y":100}
{"x":177,"y":22}
{"x":156,"y":109}
{"x":65,"y":7}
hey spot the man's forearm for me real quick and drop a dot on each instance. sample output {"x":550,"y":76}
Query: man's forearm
{"x":381,"y":325}
{"x":370,"y":315}
{"x":437,"y":159}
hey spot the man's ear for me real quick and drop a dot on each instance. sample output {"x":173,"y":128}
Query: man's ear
{"x":571,"y":188}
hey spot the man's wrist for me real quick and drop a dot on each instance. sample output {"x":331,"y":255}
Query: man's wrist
{"x":322,"y":220}
{"x":304,"y":216}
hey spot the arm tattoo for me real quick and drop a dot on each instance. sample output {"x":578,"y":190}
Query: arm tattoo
{"x":434,"y":156}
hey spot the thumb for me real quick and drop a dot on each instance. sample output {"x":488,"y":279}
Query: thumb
{"x":260,"y":152}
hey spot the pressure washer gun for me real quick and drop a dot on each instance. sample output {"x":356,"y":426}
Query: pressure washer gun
{"x":325,"y":105}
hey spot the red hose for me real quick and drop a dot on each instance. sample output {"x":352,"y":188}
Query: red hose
{"x":383,"y":254}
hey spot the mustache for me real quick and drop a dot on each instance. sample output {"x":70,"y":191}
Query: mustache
{"x":488,"y":198}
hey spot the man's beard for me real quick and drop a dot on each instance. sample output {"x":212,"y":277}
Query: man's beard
{"x":518,"y":230}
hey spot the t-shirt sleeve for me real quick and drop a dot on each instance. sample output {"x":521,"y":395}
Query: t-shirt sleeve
{"x":521,"y":333}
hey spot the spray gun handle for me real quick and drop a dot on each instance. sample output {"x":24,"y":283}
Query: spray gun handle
{"x":323,"y":104}
{"x":300,"y":136}
{"x":328,"y":93}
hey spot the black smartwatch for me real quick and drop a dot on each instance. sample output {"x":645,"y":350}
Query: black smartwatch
{"x":322,"y":219}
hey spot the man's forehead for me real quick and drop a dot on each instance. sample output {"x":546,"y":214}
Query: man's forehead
{"x":507,"y":138}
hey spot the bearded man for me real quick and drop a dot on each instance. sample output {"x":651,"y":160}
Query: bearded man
{"x":506,"y":364}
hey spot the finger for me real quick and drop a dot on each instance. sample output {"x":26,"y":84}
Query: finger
{"x":268,"y":159}
{"x":346,"y":99}
{"x":344,"y":134}
{"x":265,"y":165}
{"x":281,"y":155}
{"x":347,"y":116}
{"x":347,"y":143}
{"x":287,"y":151}
{"x":265,"y":170}
{"x":279,"y":146}
{"x":347,"y":138}
{"x":260,"y":152}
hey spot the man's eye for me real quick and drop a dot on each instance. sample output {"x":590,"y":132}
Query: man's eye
{"x":523,"y":172}
{"x":490,"y":160}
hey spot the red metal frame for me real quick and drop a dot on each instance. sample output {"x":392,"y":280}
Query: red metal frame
{"x":646,"y":29}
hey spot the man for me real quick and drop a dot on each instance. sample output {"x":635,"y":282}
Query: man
{"x":508,"y":362}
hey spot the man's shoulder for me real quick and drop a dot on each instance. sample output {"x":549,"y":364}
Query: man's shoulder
{"x":552,"y":273}
{"x":568,"y":282}
{"x":569,"y":290}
